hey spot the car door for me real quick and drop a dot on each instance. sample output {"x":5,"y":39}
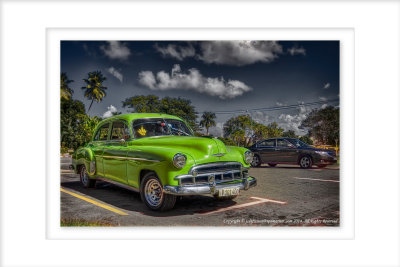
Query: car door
{"x":285,"y":151}
{"x":266,"y":150}
{"x":100,"y":139}
{"x":115,"y":152}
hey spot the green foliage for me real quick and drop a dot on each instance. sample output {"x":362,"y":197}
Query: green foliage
{"x":323,"y":125}
{"x":273,"y":130}
{"x":306,"y":139}
{"x":244,"y":131}
{"x":76,"y":126}
{"x":227,"y":141}
{"x":65,"y":91}
{"x":180,"y":107}
{"x":94,"y":89}
{"x":207,"y":120}
{"x":143,"y":104}
{"x":290,"y":134}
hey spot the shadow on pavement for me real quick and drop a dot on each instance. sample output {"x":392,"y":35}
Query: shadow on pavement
{"x":128,"y":200}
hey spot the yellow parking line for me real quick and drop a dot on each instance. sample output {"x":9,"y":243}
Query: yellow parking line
{"x":94,"y":202}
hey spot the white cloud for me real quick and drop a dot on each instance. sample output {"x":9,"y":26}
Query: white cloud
{"x":296,"y":51}
{"x":109,"y":113}
{"x":327,"y":85}
{"x":293,"y":121}
{"x":116,"y":50}
{"x":260,"y":117}
{"x":324,"y":106}
{"x":280,"y":104}
{"x":217,"y":130}
{"x":176,"y":51}
{"x":234,"y":53}
{"x":322,"y":98}
{"x":116,"y":73}
{"x":239,"y":53}
{"x":193,"y":80}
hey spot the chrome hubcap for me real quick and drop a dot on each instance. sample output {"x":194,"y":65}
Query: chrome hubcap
{"x":153,"y":192}
{"x":84,"y":176}
{"x":305,"y":162}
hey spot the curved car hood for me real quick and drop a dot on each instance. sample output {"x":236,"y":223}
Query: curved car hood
{"x":197,"y":147}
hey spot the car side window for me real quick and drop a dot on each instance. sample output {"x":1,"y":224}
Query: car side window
{"x":102,"y":133}
{"x":264,"y":143}
{"x":283,"y":143}
{"x":120,"y":131}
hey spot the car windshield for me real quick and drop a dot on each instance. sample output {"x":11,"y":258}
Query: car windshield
{"x":298,"y":143}
{"x":158,"y":127}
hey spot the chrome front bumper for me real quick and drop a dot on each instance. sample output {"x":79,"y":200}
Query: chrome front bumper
{"x":209,"y":189}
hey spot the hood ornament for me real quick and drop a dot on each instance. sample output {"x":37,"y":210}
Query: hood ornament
{"x":219,"y":155}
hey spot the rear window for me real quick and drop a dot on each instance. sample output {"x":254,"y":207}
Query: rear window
{"x":120,"y":131}
{"x":102,"y":133}
{"x":267,"y":143}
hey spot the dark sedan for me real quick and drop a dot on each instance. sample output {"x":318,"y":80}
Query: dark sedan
{"x":290,"y":151}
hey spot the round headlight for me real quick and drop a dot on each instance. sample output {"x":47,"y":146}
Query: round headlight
{"x":179,"y":160}
{"x":248,"y":156}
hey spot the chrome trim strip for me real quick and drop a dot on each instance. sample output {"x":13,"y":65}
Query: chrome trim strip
{"x":130,"y":158}
{"x":218,"y":164}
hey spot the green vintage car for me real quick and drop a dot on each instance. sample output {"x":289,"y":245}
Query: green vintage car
{"x":158,"y":156}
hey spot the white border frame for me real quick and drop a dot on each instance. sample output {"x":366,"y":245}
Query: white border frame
{"x":23,"y":197}
{"x":346,"y":229}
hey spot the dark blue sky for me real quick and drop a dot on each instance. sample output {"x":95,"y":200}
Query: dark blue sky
{"x":215,"y":76}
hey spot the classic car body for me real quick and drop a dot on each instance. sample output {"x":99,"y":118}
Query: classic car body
{"x":157,"y":155}
{"x":285,"y":150}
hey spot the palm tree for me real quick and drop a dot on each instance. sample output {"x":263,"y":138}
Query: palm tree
{"x":94,"y":89}
{"x":65,"y":92}
{"x":207,"y":120}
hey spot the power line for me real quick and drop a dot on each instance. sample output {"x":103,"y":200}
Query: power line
{"x":277,"y":107}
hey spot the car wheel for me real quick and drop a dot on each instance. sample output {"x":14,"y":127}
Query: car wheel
{"x":256,"y":161}
{"x":85,"y":180}
{"x":152,"y":194}
{"x":225,"y":198}
{"x":305,"y":162}
{"x":321,"y":165}
{"x":272,"y":164}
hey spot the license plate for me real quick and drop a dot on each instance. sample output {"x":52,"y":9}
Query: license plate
{"x":230,"y":191}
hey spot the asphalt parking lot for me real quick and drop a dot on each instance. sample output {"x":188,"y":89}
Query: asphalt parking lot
{"x":284,"y":196}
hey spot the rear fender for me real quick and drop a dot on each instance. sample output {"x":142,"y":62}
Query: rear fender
{"x":85,"y":156}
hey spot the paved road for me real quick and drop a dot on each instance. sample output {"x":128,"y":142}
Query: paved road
{"x":285,"y":195}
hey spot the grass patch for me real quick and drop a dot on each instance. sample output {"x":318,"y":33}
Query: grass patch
{"x":83,"y":223}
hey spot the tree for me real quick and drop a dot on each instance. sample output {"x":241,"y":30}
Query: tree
{"x":323,"y":125}
{"x":76,"y":126}
{"x":290,"y":134}
{"x":207,"y":120}
{"x":246,"y":131}
{"x":273,"y":130}
{"x":70,"y":111}
{"x":306,"y":139}
{"x":179,"y":107}
{"x":65,"y":92}
{"x":143,"y":104}
{"x":227,"y":141}
{"x":94,"y":89}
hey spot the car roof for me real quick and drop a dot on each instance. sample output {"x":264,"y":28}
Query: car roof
{"x":133,"y":116}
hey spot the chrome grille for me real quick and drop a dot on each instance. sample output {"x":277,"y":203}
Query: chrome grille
{"x":213,"y":173}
